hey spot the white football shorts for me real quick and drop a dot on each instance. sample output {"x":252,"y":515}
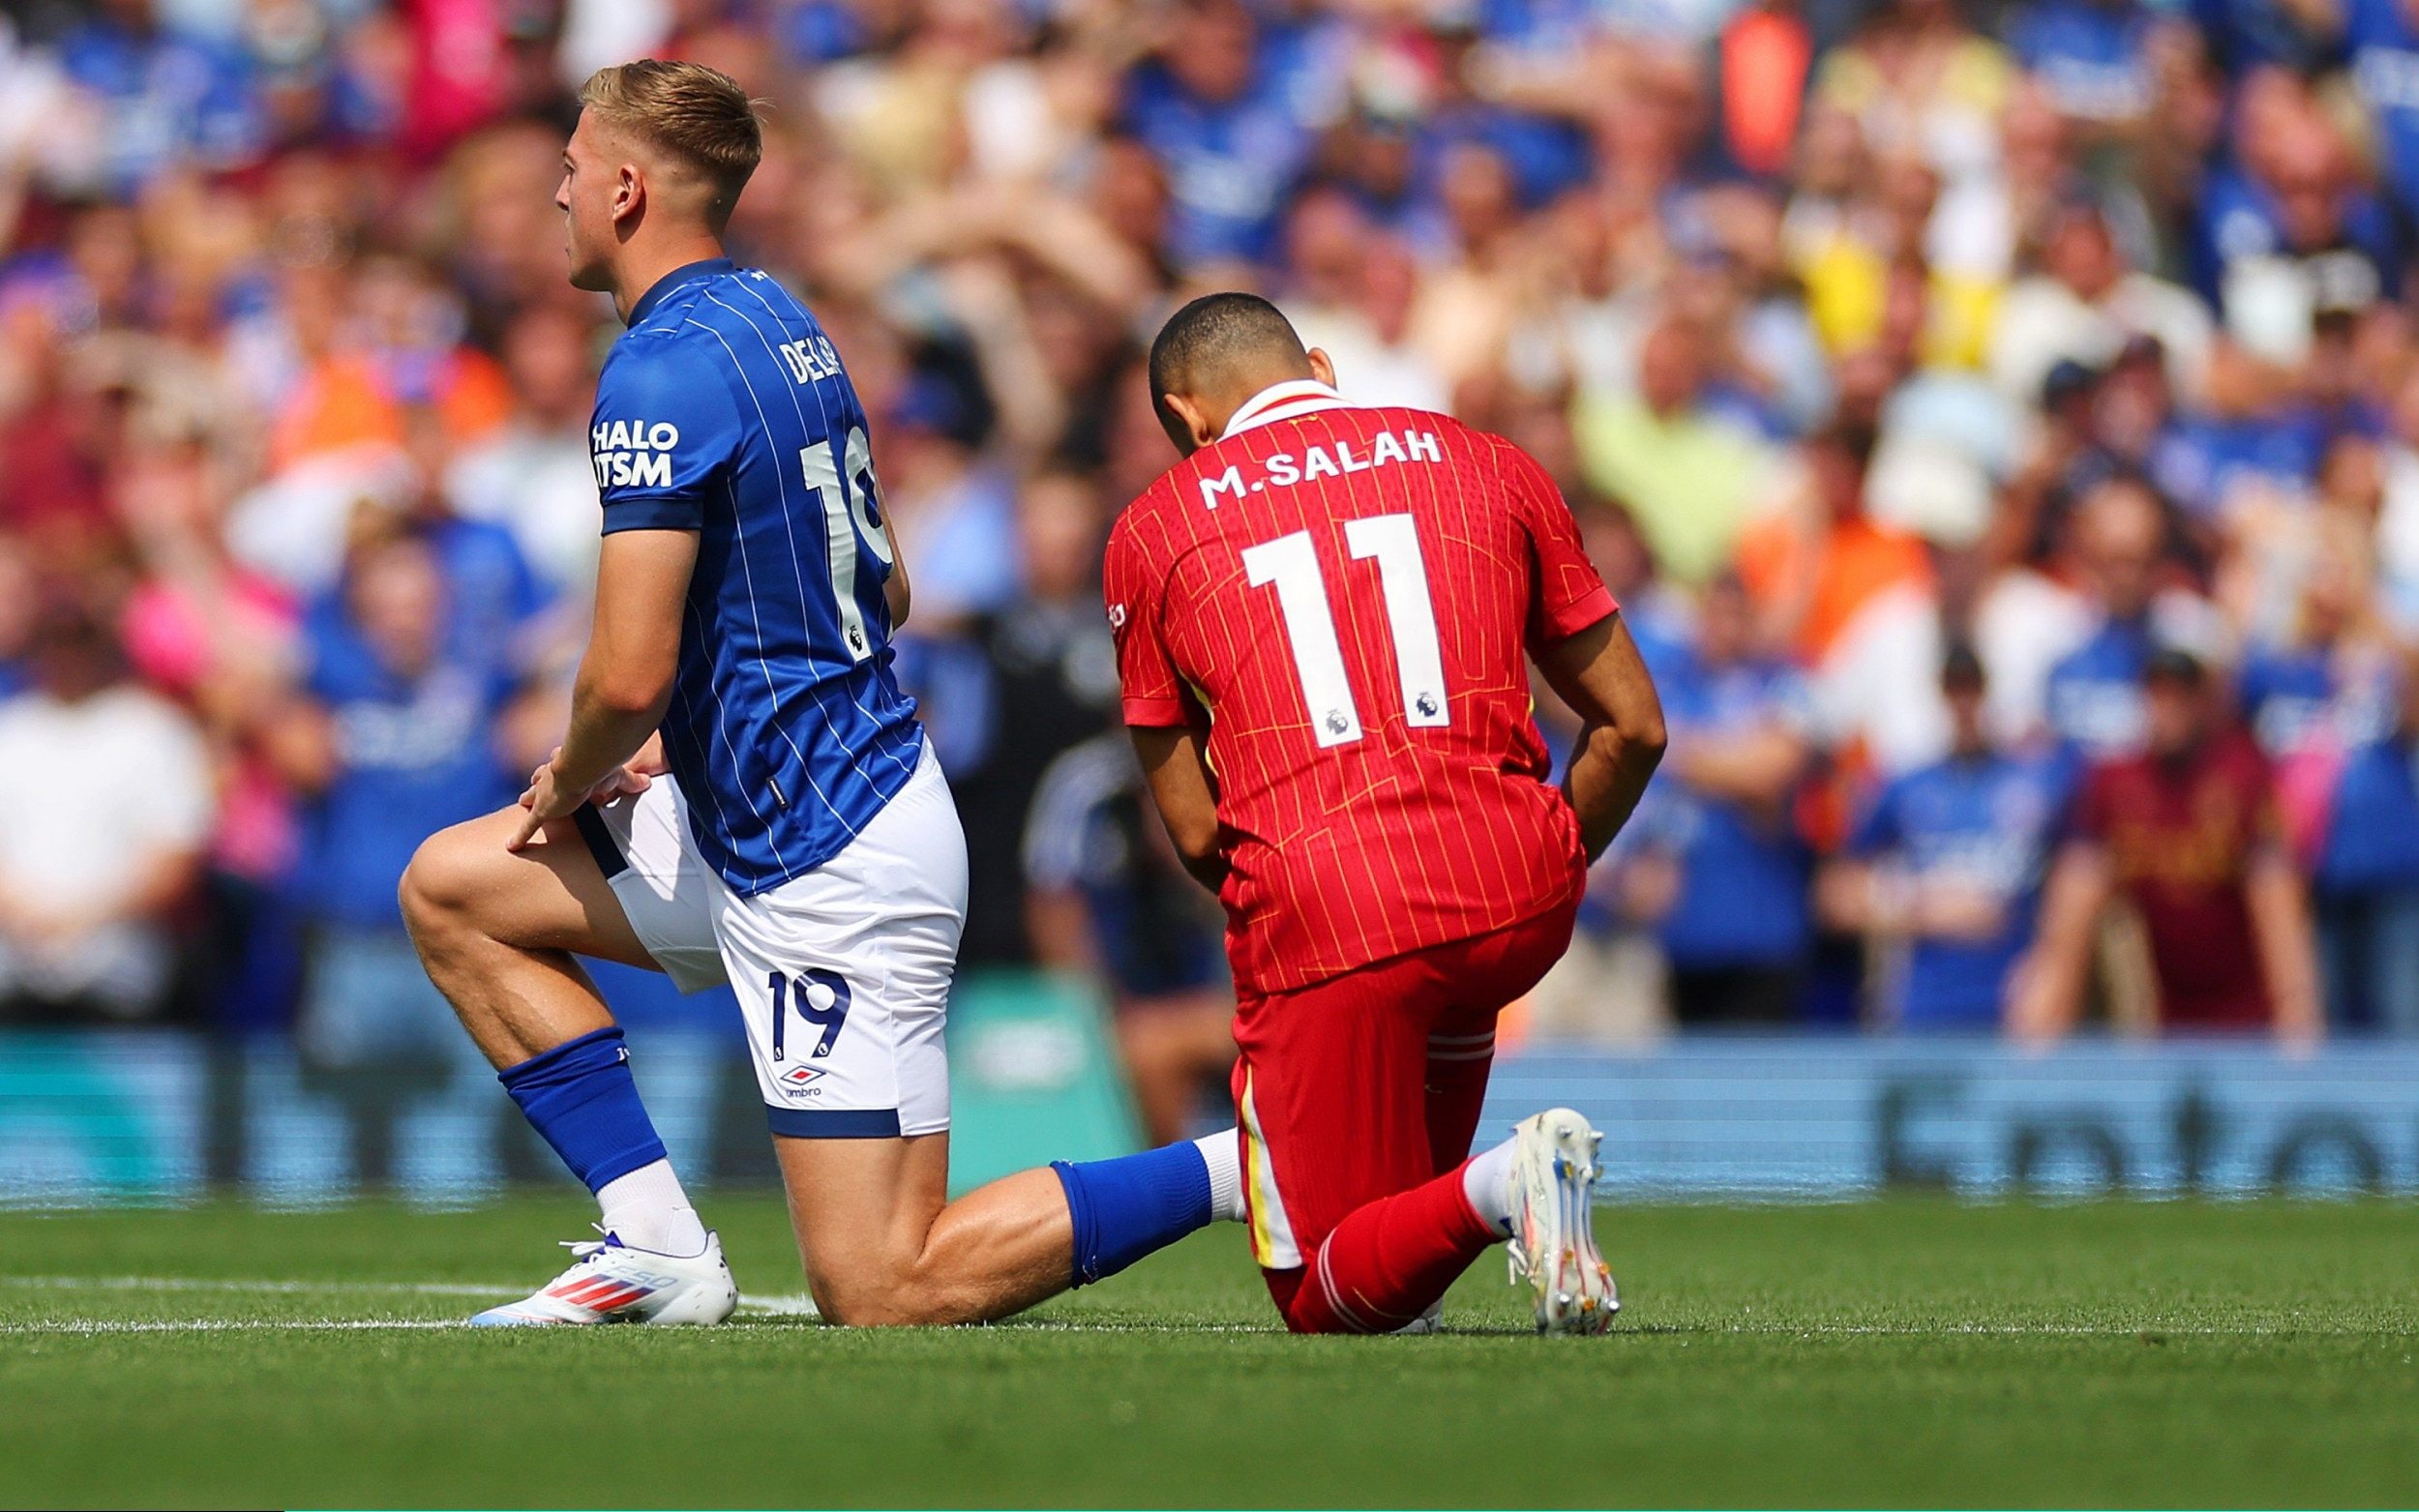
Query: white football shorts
{"x":842,"y":975}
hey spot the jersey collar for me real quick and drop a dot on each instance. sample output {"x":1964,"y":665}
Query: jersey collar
{"x":678,"y":278}
{"x":1287,"y":401}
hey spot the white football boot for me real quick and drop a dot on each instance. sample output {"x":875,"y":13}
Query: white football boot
{"x":1553,"y":1242}
{"x":609,"y":1282}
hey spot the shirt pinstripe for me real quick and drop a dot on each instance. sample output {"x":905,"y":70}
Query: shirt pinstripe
{"x":787,"y":738}
{"x":1415,"y":834}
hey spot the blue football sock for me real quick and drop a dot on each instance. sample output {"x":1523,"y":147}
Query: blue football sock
{"x":579,"y":1097}
{"x":1128,"y":1208}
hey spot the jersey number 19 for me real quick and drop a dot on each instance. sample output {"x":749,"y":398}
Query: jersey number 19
{"x":852,"y":487}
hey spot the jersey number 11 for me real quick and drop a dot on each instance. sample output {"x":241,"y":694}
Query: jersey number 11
{"x":1291,"y":563}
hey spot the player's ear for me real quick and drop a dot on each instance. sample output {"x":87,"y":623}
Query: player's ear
{"x":629,"y":195}
{"x":1322,"y":367}
{"x":1190,"y":428}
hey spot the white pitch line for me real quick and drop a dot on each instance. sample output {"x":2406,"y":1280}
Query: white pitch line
{"x":84,"y":1327}
{"x":789,"y":1306}
{"x":231,"y":1284}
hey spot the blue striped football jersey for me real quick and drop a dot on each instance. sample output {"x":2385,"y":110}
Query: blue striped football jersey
{"x":724,"y":410}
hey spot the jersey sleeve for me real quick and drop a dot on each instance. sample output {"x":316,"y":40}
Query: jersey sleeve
{"x":1134,"y":581}
{"x":663,"y":435}
{"x":1568,"y":595}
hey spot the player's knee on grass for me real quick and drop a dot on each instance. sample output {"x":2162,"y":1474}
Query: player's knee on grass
{"x":1302,"y":1303}
{"x":877,"y":1295}
{"x":898,"y":1285}
{"x":1289,"y":1290}
{"x":862,"y":1304}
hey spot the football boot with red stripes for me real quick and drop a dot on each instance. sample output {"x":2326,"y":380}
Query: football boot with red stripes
{"x":610,"y":1282}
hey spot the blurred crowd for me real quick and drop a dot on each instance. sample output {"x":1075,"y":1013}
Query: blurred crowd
{"x":2000,"y":424}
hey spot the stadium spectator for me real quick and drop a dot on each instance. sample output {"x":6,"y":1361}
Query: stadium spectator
{"x":955,"y":508}
{"x":2367,"y":879}
{"x":1610,"y":988}
{"x":169,"y":96}
{"x":17,"y":604}
{"x":391,"y":737}
{"x":2327,"y":679}
{"x":1225,"y":126}
{"x":1716,"y":863}
{"x":2187,"y":834}
{"x":1944,"y":869}
{"x":220,"y":640}
{"x":2086,"y":303}
{"x":531,"y":474}
{"x":1688,"y":473}
{"x":1027,"y":681}
{"x":1109,"y":897}
{"x":1854,"y":600}
{"x":2074,"y":332}
{"x":2094,"y":692}
{"x":92,"y":874}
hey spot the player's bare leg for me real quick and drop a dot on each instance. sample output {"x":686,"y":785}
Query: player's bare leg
{"x":497,"y":929}
{"x":883,"y":1246}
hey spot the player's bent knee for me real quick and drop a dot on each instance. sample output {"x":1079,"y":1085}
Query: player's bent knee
{"x":876,"y":1295}
{"x":440,"y":885}
{"x":872,"y":1303}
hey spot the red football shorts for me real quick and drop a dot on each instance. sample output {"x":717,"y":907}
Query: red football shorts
{"x":1369,"y":1083}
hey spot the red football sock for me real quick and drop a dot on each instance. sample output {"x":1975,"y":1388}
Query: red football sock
{"x":1388,"y":1261}
{"x":1456,"y":1089}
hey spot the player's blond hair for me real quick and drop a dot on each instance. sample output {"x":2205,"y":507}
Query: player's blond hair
{"x":697,"y":114}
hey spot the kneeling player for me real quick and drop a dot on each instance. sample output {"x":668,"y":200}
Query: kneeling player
{"x":1322,"y":614}
{"x":744,"y":795}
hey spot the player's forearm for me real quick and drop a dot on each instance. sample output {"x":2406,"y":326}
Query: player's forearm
{"x":611,"y":719}
{"x":1186,"y":794}
{"x":1609,"y":770}
{"x":1599,"y":675}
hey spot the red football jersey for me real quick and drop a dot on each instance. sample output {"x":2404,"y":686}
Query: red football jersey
{"x":1344,"y":596}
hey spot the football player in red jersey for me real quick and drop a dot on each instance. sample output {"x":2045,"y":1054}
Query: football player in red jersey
{"x":1324,"y":616}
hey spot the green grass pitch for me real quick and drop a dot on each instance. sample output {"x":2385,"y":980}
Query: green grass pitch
{"x":1883,"y":1354}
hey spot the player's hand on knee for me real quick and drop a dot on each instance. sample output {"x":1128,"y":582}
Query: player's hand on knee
{"x":545,"y":799}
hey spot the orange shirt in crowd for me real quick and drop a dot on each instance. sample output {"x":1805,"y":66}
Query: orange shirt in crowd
{"x":1764,"y":58}
{"x":1849,"y":565}
{"x":345,"y":402}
